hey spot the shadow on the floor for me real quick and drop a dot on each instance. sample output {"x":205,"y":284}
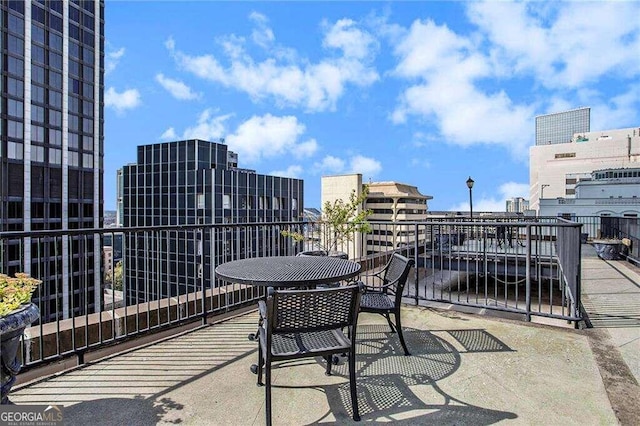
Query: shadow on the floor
{"x":118,"y":411}
{"x":384,"y":376}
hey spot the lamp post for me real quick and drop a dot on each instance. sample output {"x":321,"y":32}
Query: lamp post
{"x":470,"y":186}
{"x":542,"y":187}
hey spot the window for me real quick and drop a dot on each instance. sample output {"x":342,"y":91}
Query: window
{"x":55,"y":60}
{"x":16,"y":108}
{"x":37,"y":34}
{"x":15,"y":66}
{"x":73,"y":159}
{"x":55,"y":99}
{"x":37,"y":133}
{"x":15,"y":129}
{"x":55,"y":156}
{"x":14,"y":150}
{"x":55,"y":42}
{"x":565,"y":155}
{"x":226,"y":201}
{"x":37,"y":153}
{"x":87,"y":161}
{"x":73,"y":140}
{"x":37,"y":113}
{"x":16,"y":24}
{"x":201,"y":201}
{"x":15,"y":44}
{"x":37,"y":93}
{"x":55,"y":118}
{"x":38,"y":74}
{"x":15,"y":87}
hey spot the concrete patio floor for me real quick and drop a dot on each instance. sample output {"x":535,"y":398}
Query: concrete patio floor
{"x":464,"y":369}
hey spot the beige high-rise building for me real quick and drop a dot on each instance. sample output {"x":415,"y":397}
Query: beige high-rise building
{"x":390,"y":202}
{"x":555,"y":169}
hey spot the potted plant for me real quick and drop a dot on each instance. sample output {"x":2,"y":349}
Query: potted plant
{"x":16,"y":313}
{"x":339,"y":222}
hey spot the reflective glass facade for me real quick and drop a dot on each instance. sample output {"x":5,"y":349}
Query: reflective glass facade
{"x":51,"y":146}
{"x":559,"y":127}
{"x":195,"y":182}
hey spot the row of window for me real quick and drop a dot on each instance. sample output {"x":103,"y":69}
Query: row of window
{"x":269,"y":203}
{"x":41,"y":154}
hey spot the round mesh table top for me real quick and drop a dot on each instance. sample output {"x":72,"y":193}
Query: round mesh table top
{"x":287,"y":271}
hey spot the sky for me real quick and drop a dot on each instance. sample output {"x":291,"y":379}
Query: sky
{"x":424,"y":93}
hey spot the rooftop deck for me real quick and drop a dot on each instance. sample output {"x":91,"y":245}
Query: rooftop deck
{"x":464,"y":369}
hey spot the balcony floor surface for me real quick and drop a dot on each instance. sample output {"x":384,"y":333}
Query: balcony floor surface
{"x":464,"y":369}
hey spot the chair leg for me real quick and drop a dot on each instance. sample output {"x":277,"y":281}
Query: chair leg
{"x":268,"y":391}
{"x":260,"y":362}
{"x":399,"y":327}
{"x":386,"y":314}
{"x":352,"y":385}
{"x":329,"y":360}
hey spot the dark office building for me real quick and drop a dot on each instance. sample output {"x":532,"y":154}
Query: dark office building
{"x":195,"y":182}
{"x":559,"y":127}
{"x":51,"y":147}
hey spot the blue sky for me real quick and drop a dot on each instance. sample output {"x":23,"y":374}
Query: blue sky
{"x":423,"y":93}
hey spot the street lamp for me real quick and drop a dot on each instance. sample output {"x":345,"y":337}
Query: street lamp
{"x":470,"y":186}
{"x":542,"y":187}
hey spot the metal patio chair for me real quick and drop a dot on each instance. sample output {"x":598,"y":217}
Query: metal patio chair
{"x":383,"y":292}
{"x":307,"y":324}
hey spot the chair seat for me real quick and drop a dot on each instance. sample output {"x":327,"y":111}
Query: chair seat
{"x":294,"y":345}
{"x":376,"y":301}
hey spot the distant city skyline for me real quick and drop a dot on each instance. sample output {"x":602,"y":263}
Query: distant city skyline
{"x":423,"y":93}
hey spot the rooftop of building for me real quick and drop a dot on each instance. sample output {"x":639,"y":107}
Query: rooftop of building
{"x":465,"y":368}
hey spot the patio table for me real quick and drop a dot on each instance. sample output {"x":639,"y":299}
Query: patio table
{"x":288,"y":271}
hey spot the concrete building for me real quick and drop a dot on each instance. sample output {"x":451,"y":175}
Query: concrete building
{"x":608,"y":192}
{"x":51,"y":147}
{"x":517,"y":205}
{"x":555,"y":169}
{"x":194,"y":182}
{"x":389,"y":202}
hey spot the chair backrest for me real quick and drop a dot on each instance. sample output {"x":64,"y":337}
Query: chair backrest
{"x":395,"y":274}
{"x":313,"y":310}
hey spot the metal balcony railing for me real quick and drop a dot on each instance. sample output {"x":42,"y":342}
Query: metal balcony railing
{"x":104,"y":286}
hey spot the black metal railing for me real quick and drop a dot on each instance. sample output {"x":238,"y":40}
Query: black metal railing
{"x":103,"y":286}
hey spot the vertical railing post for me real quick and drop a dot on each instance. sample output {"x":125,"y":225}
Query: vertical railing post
{"x":415,"y":255}
{"x":528,"y":275}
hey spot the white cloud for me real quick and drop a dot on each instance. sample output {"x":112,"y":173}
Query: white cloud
{"x":366,"y":166}
{"x":169,"y":135}
{"x":330,"y":165}
{"x":291,"y":172}
{"x":354,"y":42}
{"x":122,"y":101}
{"x":445,"y":76}
{"x":112,"y":58}
{"x":255,"y":139}
{"x":262,"y":35}
{"x":564,"y":44}
{"x":465,"y":83}
{"x":208,"y":127}
{"x":268,"y":136}
{"x":176,"y":88}
{"x":497,"y":202}
{"x":290,"y":82}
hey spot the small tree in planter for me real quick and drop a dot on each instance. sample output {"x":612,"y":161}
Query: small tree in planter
{"x":339,"y":222}
{"x":16,"y":313}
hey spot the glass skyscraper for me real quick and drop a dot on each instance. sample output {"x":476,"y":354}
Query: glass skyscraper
{"x":559,"y":127}
{"x":51,"y":147}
